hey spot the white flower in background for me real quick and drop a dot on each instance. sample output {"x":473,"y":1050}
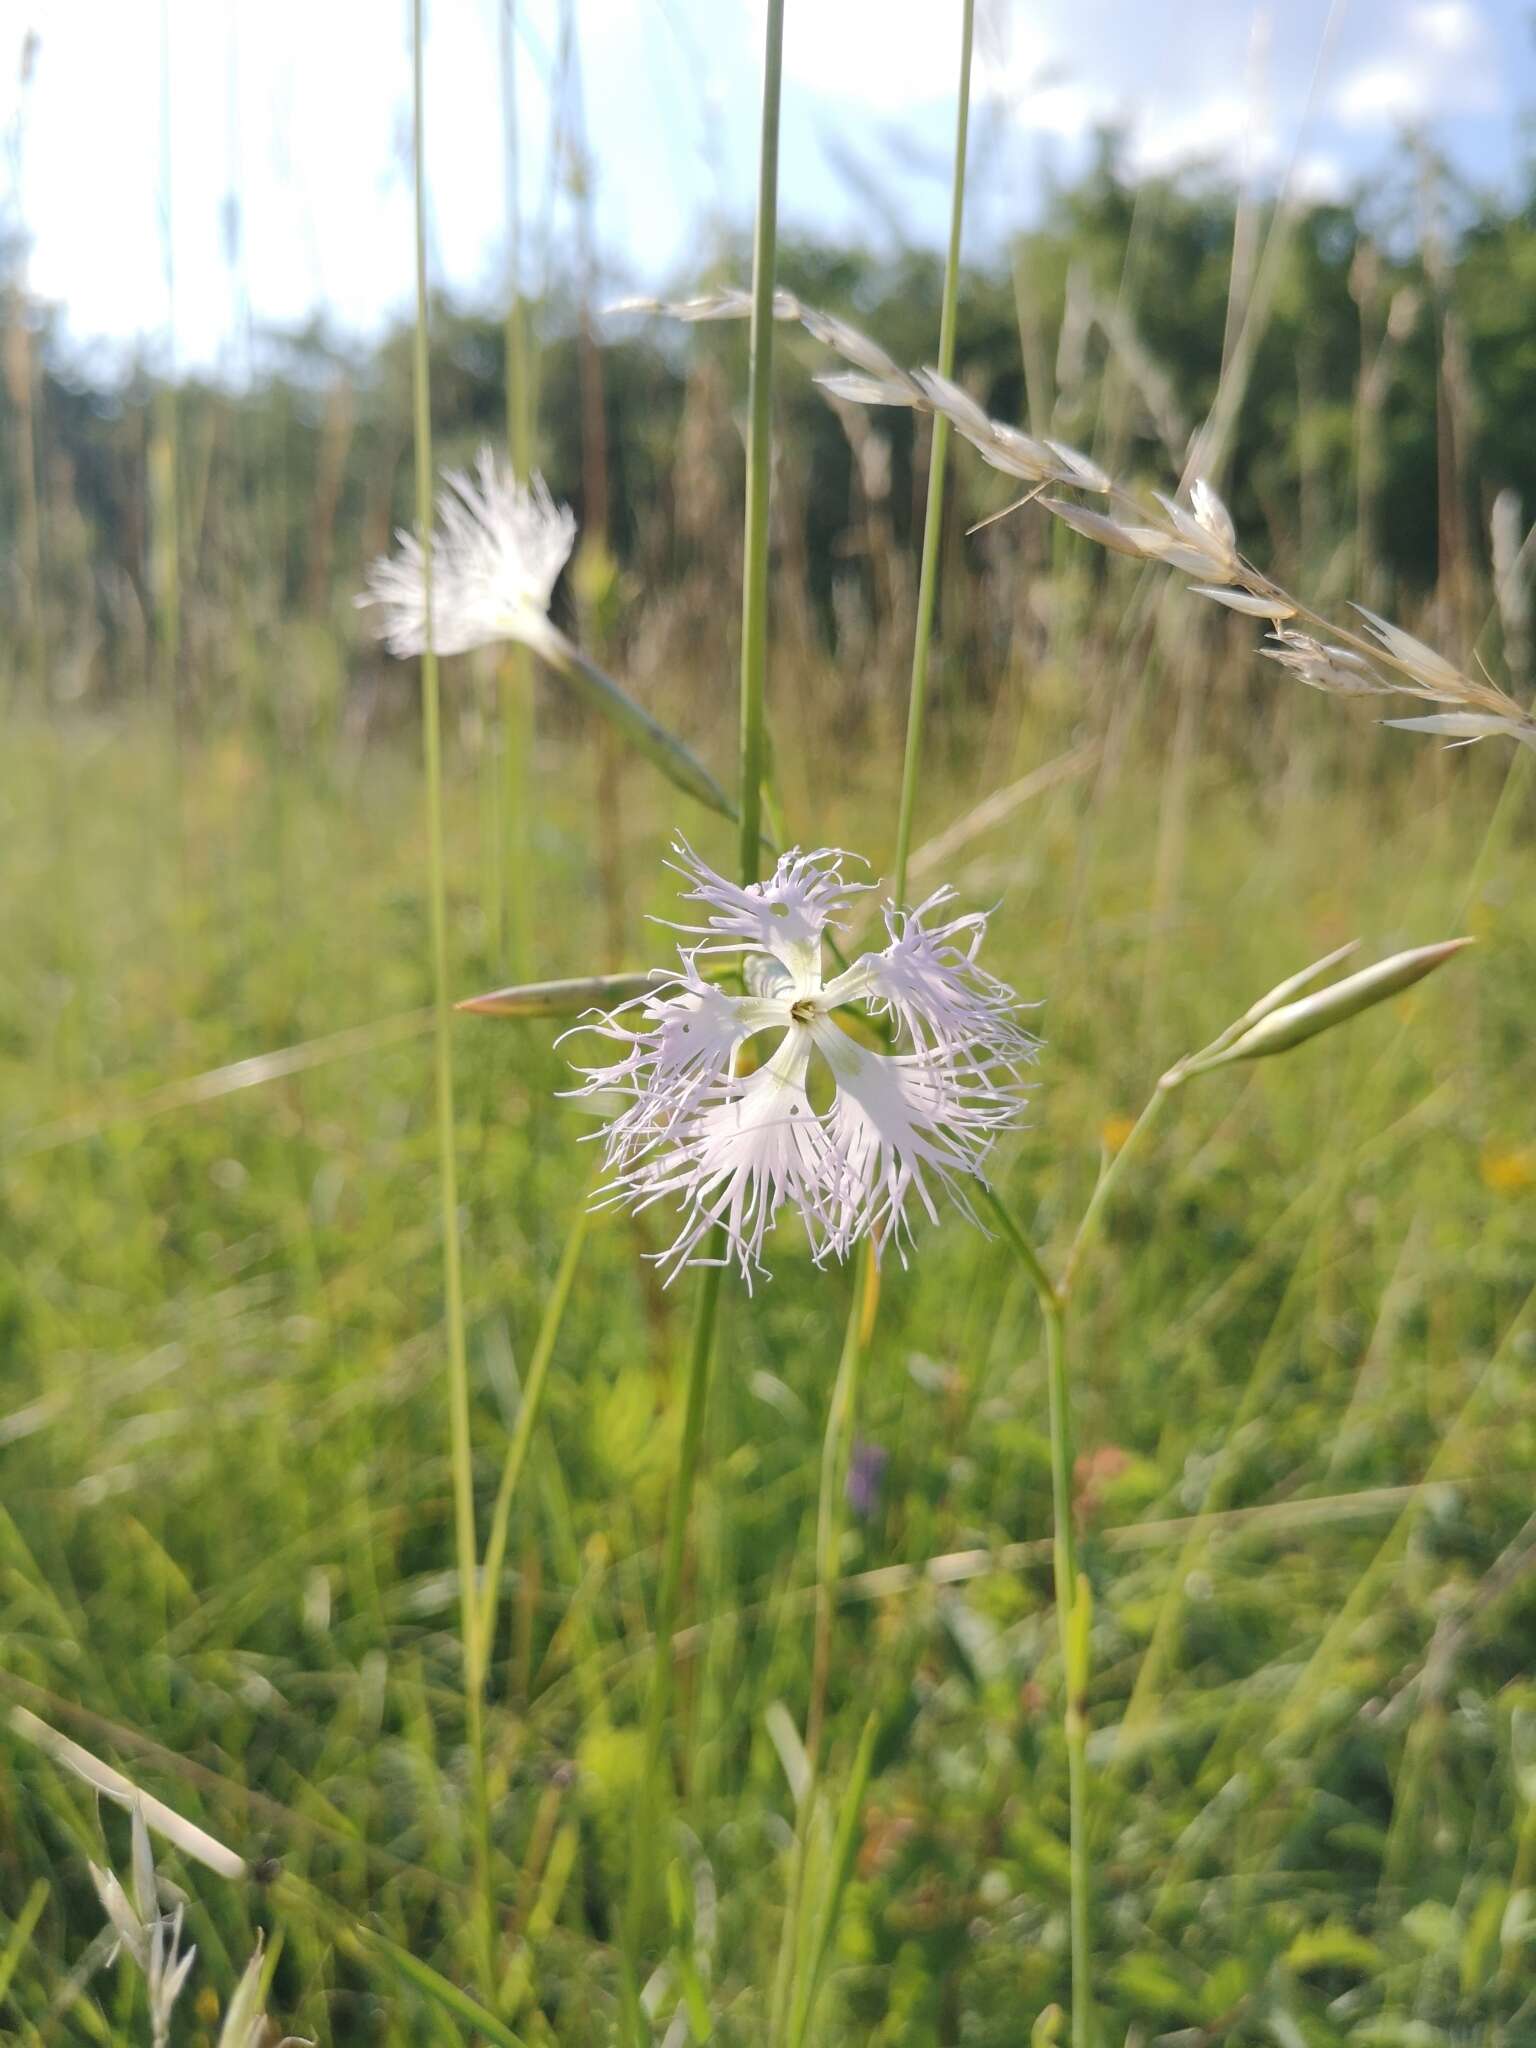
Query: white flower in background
{"x":496,"y":553}
{"x":848,"y":1135}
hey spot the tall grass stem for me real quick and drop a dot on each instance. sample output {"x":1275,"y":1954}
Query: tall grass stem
{"x":447,"y":1161}
{"x":530,"y":1407}
{"x":1105,"y":1185}
{"x":644,"y":1852}
{"x":834,"y":1468}
{"x":1072,"y":1613}
{"x":518,"y":729}
{"x":754,"y":595}
{"x":933,"y":520}
{"x":644,"y":1847}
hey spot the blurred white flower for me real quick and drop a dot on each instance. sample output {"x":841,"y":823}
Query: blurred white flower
{"x":496,"y":554}
{"x":735,"y":1147}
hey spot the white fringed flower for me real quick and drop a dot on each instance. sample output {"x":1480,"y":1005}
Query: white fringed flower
{"x":734,"y":1146}
{"x":497,"y":551}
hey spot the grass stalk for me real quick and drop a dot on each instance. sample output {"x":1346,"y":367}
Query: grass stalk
{"x":834,"y":1467}
{"x":844,"y":1848}
{"x":1113,"y":1168}
{"x":529,"y":1410}
{"x":448,"y":1190}
{"x":829,"y":1529}
{"x":518,"y":730}
{"x":933,"y":518}
{"x":1072,"y":1613}
{"x":645,"y":1850}
{"x":754,"y":595}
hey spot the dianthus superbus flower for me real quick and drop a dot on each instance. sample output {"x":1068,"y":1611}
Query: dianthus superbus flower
{"x":821,"y":1120}
{"x":497,"y":553}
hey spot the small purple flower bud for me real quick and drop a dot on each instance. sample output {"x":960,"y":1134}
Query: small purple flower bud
{"x":866,"y":1474}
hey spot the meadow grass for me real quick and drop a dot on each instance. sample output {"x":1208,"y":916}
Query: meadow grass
{"x":226,"y":1543}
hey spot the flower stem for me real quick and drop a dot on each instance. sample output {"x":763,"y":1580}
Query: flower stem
{"x":448,"y":1192}
{"x":529,"y":1409}
{"x":1072,"y":1611}
{"x":829,"y":1527}
{"x":639,"y":729}
{"x":754,"y":599}
{"x":1106,"y":1181}
{"x":516,"y":666}
{"x":834,"y":1466}
{"x":646,"y":1846}
{"x":645,"y":1849}
{"x":1071,"y":1614}
{"x":933,"y":522}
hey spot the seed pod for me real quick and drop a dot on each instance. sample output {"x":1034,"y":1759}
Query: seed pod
{"x":1292,"y":987}
{"x":560,"y":998}
{"x":1292,"y":1023}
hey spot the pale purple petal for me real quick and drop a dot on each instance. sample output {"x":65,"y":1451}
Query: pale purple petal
{"x":782,"y":918}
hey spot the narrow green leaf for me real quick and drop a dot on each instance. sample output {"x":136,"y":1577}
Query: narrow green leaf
{"x":442,"y":1992}
{"x":844,"y":1843}
{"x":644,"y":733}
{"x":1480,"y":1943}
{"x":529,"y":1409}
{"x":21,"y":1933}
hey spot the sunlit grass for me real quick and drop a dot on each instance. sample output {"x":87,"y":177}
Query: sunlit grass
{"x":239,"y":1302}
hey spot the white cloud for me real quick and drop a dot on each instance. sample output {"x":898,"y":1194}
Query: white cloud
{"x":302,"y":107}
{"x":892,"y":56}
{"x":1440,"y":61}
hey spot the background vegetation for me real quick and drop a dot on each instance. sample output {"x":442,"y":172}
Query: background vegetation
{"x":1306,"y":1425}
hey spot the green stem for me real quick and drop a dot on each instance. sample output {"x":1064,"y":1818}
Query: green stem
{"x":844,"y":1846}
{"x":517,"y":741}
{"x":644,"y":1849}
{"x":642,"y":732}
{"x":516,"y":671}
{"x":1112,"y":1171}
{"x":754,"y":599}
{"x":1071,"y":1599}
{"x":448,"y":1192}
{"x":529,"y":1409}
{"x":829,"y":1528}
{"x":933,"y":522}
{"x":1071,"y":1613}
{"x":834,"y":1465}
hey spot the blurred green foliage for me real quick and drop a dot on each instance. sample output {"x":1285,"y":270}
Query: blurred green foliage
{"x":1385,"y":369}
{"x":225,"y":1529}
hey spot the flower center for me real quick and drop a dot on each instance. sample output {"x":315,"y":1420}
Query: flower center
{"x":803,"y":1009}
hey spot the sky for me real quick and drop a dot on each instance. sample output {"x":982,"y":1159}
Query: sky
{"x":191,"y":170}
